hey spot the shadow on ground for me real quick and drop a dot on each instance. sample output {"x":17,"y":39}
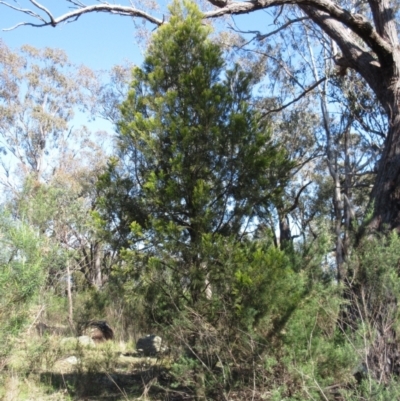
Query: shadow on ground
{"x":100,"y":386}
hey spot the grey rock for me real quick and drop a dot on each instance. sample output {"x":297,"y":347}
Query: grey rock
{"x":150,"y":345}
{"x":72,"y":360}
{"x":84,"y":341}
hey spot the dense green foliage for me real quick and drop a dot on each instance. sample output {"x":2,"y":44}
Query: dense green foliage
{"x":23,"y":264}
{"x":204,"y":171}
{"x":203,"y":164}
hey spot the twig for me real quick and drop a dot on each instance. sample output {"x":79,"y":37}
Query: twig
{"x":43,"y":8}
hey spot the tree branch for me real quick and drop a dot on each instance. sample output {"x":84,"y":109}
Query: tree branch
{"x":43,"y":8}
{"x":355,"y":56}
{"x":319,"y":10}
{"x":261,"y":37}
{"x":296,"y":201}
{"x":384,"y":20}
{"x":309,"y":89}
{"x":24,"y":11}
{"x":108,"y":8}
{"x":284,"y":26}
{"x":356,"y":22}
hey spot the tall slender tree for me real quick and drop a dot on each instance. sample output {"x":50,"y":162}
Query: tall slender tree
{"x":200,"y":169}
{"x":200,"y":159}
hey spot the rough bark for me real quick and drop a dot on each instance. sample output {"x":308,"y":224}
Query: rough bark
{"x":385,"y":196}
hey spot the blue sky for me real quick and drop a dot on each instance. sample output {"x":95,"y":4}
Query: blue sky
{"x":98,"y":40}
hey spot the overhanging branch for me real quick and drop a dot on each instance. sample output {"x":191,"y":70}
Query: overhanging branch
{"x":260,"y":37}
{"x":304,"y":93}
{"x":76,"y":13}
{"x":357,"y":23}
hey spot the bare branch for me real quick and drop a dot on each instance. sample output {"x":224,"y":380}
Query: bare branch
{"x":24,"y":11}
{"x":258,"y":34}
{"x":76,"y":3}
{"x":369,"y":129}
{"x":284,"y":26}
{"x":309,"y":89}
{"x":43,"y":8}
{"x":356,"y":22}
{"x":259,"y":37}
{"x":279,"y":14}
{"x":79,"y":11}
{"x":303,"y":163}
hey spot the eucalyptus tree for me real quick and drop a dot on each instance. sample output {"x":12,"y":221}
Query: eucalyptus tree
{"x":41,"y":92}
{"x":49,"y":165}
{"x":336,"y":127}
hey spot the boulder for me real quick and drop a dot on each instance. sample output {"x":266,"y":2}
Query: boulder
{"x":72,"y":360}
{"x":98,"y":331}
{"x":86,"y":341}
{"x":73,"y":342}
{"x":150,"y":345}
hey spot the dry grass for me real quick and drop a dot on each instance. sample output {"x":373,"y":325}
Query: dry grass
{"x":41,"y":368}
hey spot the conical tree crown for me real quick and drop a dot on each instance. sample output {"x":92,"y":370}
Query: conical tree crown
{"x":200,"y":155}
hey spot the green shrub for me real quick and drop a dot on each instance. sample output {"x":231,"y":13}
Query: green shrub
{"x":22,"y":274}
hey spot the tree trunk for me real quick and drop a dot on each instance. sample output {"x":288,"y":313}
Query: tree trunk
{"x":69,"y":294}
{"x":385,"y":196}
{"x":285,"y":238}
{"x":97,"y":280}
